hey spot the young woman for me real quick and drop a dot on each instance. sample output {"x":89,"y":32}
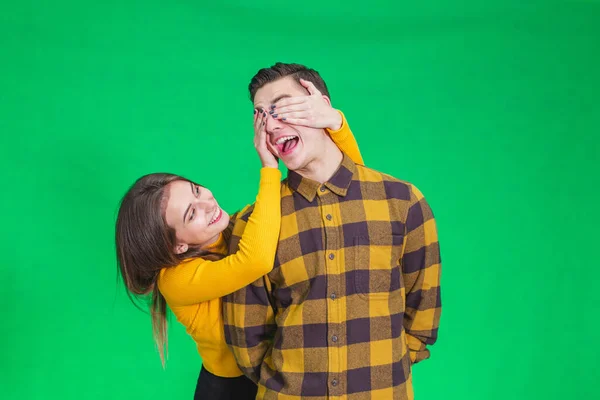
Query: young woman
{"x":170,"y":245}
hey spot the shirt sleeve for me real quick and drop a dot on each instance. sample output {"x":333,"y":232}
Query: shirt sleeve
{"x":345,"y":140}
{"x":421,"y":269}
{"x":198,"y":280}
{"x":250,"y":326}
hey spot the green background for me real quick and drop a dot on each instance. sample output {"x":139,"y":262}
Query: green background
{"x":490,"y":108}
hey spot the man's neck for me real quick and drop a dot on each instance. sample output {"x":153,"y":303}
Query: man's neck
{"x":322,"y":168}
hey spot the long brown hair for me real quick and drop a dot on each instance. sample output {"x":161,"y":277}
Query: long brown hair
{"x":145,"y":245}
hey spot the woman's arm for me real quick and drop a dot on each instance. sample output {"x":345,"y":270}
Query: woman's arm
{"x":345,"y":140}
{"x":198,"y":280}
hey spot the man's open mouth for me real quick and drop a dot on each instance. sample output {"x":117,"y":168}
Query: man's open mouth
{"x":287,"y":144}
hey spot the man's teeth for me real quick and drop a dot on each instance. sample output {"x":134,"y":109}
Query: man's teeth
{"x":285,"y":139}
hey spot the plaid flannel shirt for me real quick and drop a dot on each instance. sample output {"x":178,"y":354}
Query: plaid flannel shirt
{"x":353,"y":298}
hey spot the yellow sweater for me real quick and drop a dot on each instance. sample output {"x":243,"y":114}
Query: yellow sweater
{"x":194,"y":288}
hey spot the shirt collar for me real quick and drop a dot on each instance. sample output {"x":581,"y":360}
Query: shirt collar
{"x":338,"y":183}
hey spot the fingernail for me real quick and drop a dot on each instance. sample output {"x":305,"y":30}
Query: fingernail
{"x":273,"y":106}
{"x":271,"y":112}
{"x":254,"y":112}
{"x":264,"y":113}
{"x":274,"y":115}
{"x":283,"y":119}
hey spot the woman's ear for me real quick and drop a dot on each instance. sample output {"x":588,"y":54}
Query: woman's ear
{"x":181,"y":248}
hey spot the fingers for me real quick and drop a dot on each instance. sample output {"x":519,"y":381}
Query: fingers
{"x":300,"y":110}
{"x":265,"y":150}
{"x":256,"y":125}
{"x":257,"y":115}
{"x":289,"y":101}
{"x":294,"y":115}
{"x":263,"y":120}
{"x":270,"y":147}
{"x":298,"y":121}
{"x":259,"y":129}
{"x":261,"y":140}
{"x":259,"y":119}
{"x":260,"y":133}
{"x":279,"y":111}
{"x":310,"y":87}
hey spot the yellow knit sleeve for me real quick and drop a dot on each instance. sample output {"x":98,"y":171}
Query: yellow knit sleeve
{"x":198,"y":280}
{"x":345,"y":140}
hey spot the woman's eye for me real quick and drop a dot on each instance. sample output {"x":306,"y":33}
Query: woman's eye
{"x":197,"y":190}
{"x":192,"y":214}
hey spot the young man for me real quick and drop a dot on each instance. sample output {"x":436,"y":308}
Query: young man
{"x":354,"y":297}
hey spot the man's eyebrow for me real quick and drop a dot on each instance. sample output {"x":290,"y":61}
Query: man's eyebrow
{"x":190,"y":205}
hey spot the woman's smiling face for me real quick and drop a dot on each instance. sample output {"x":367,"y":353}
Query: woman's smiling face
{"x":193,"y":212}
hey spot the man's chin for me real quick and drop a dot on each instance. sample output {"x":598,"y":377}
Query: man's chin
{"x":294,"y":162}
{"x":292,"y":165}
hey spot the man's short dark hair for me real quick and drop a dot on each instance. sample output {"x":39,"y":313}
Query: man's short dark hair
{"x":282,"y":70}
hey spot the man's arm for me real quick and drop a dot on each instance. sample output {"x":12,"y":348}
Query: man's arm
{"x":421,"y":267}
{"x":250,"y":326}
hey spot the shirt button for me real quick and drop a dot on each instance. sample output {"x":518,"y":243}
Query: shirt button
{"x":329,"y":217}
{"x":334,"y":338}
{"x":322,"y":188}
{"x":334,"y":382}
{"x":333,"y":296}
{"x":331,"y":256}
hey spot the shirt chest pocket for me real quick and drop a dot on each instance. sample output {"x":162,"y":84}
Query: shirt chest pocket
{"x":374,"y":266}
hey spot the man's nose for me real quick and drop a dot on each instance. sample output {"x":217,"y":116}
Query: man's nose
{"x":273,"y":124}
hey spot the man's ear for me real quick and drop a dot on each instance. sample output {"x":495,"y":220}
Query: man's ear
{"x":327,"y":100}
{"x":181,"y":248}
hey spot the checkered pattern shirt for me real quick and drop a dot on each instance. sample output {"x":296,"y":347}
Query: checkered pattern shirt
{"x":353,"y":298}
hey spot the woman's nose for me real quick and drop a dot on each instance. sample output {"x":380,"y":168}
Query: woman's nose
{"x":207,"y":203}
